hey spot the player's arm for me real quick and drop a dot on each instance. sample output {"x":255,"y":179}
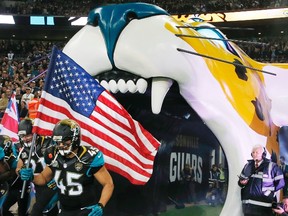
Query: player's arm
{"x":44,"y":177}
{"x":19,"y":166}
{"x":105,"y":179}
{"x":101,"y":174}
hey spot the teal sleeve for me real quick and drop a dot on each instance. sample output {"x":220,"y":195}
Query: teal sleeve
{"x":14,"y":164}
{"x":2,"y":153}
{"x":14,"y":150}
{"x":96,"y":164}
{"x":98,"y":160}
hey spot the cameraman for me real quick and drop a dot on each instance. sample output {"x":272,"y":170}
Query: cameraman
{"x":282,"y":209}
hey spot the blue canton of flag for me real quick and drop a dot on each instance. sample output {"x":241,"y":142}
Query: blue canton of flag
{"x":72,"y":83}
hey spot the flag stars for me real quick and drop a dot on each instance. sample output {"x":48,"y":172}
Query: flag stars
{"x":74,"y":85}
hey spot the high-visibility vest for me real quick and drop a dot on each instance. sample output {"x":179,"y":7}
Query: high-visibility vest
{"x":222,"y":175}
{"x":33,"y":107}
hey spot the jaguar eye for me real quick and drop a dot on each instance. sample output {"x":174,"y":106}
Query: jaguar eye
{"x":95,"y":22}
{"x":130,"y":16}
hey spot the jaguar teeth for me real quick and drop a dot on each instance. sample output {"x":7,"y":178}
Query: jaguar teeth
{"x":160,"y":87}
{"x":122,"y":86}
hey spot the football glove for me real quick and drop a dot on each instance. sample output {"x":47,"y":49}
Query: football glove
{"x":96,"y":210}
{"x":26,"y":174}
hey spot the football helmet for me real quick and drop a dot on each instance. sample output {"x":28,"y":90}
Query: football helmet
{"x":6,"y":144}
{"x":25,"y":131}
{"x":64,"y":131}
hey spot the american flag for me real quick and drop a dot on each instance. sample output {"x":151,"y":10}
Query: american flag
{"x":70,"y":92}
{"x":10,"y":120}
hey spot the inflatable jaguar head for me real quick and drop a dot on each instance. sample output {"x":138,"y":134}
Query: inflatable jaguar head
{"x":141,"y":48}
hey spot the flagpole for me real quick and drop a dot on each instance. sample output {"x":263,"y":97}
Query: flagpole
{"x":39,"y":75}
{"x":28,"y":163}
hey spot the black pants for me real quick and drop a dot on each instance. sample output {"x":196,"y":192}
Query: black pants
{"x":43,"y":196}
{"x":14,"y":196}
{"x":253,"y":210}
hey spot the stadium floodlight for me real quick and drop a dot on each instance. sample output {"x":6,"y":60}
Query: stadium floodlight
{"x":7,"y":19}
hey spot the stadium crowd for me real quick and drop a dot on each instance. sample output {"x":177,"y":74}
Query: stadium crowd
{"x":80,"y":7}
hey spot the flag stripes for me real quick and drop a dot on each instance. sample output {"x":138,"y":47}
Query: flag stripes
{"x":10,"y":120}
